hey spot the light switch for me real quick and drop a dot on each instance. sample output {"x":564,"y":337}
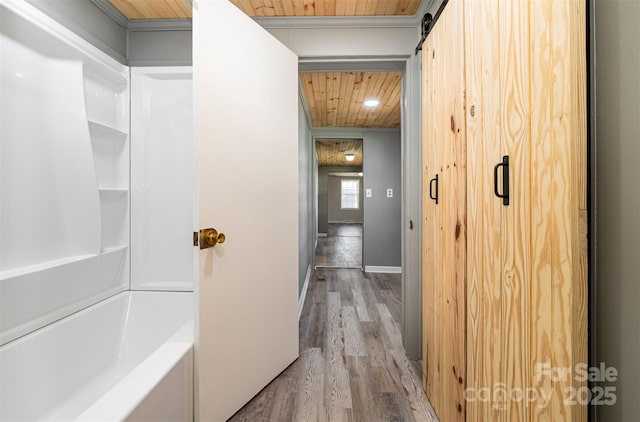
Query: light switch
{"x":368,"y":193}
{"x":389,"y":193}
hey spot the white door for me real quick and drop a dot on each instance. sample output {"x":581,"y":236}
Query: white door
{"x":246,"y":99}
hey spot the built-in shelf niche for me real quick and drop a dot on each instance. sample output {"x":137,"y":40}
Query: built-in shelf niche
{"x":107,"y":104}
{"x":111,"y":156}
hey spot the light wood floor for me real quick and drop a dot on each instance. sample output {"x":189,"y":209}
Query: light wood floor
{"x":342,"y":248}
{"x":352,"y":365}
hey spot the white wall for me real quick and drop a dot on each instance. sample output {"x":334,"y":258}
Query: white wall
{"x":348,"y":42}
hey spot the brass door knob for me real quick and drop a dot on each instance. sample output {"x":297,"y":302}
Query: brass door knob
{"x":210,"y":238}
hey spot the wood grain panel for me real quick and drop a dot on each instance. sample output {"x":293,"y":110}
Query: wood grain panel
{"x":331,"y":152}
{"x":542,"y":237}
{"x":580,"y":290}
{"x":153,"y":9}
{"x":310,"y":403}
{"x":445,"y":240}
{"x":336,"y":99}
{"x":337,"y":390}
{"x":453,"y":215}
{"x":560,"y":286}
{"x":516,"y":222}
{"x":354,"y":344}
{"x":484,"y":211}
{"x":430,"y":348}
{"x":181,"y":9}
{"x":327,"y":7}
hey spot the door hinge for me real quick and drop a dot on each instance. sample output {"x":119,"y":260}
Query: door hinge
{"x":195,"y":238}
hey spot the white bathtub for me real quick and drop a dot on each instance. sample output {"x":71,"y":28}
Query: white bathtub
{"x":126,"y":358}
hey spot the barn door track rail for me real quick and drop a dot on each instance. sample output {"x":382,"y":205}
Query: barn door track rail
{"x":427,"y":23}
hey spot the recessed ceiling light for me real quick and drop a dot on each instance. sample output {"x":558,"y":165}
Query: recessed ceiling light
{"x":371,"y":103}
{"x":349,"y":157}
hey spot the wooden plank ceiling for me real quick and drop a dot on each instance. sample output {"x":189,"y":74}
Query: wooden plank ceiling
{"x":327,"y":7}
{"x":335,"y":99}
{"x":331,"y":152}
{"x":153,"y":9}
{"x":181,"y":9}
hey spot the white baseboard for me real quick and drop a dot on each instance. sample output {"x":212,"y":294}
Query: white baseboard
{"x":303,"y":293}
{"x":322,"y":235}
{"x":381,"y":269}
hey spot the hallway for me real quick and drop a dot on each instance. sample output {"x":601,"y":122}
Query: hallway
{"x":352,"y":364}
{"x":341,"y":248}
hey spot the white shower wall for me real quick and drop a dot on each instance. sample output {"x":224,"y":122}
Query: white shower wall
{"x":64,"y":164}
{"x":162,"y":178}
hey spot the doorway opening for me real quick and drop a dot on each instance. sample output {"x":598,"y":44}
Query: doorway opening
{"x":340,"y":200}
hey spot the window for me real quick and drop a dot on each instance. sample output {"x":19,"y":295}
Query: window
{"x":350,"y":192}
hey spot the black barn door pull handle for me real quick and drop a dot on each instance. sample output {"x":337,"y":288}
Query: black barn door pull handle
{"x":435,"y":198}
{"x":505,"y":180}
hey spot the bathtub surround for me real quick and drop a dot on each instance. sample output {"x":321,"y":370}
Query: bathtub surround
{"x":162,"y":178}
{"x":136,"y":367}
{"x":65,"y":166}
{"x":76,"y":343}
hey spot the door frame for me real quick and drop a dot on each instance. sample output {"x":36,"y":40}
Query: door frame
{"x":411,"y":178}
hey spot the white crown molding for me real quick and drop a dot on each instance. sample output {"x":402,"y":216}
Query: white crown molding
{"x":345,"y":132}
{"x":142,"y":24}
{"x":150,"y":25}
{"x":362,"y":64}
{"x":337,"y":22}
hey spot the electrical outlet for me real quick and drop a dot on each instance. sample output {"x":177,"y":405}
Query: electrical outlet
{"x":389,"y":193}
{"x":369,"y":193}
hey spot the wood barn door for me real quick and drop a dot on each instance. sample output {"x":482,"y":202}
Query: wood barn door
{"x":523,"y":263}
{"x":444,"y":155}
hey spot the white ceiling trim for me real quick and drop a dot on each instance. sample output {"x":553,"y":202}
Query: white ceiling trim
{"x":362,"y":64}
{"x":337,"y":22}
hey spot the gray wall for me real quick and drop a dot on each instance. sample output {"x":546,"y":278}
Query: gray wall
{"x":160,"y":48}
{"x":382,"y":215}
{"x":306,"y":223}
{"x":323,"y":193}
{"x":135,"y":48}
{"x":334,"y":194}
{"x":89,"y":22}
{"x":617,"y":109}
